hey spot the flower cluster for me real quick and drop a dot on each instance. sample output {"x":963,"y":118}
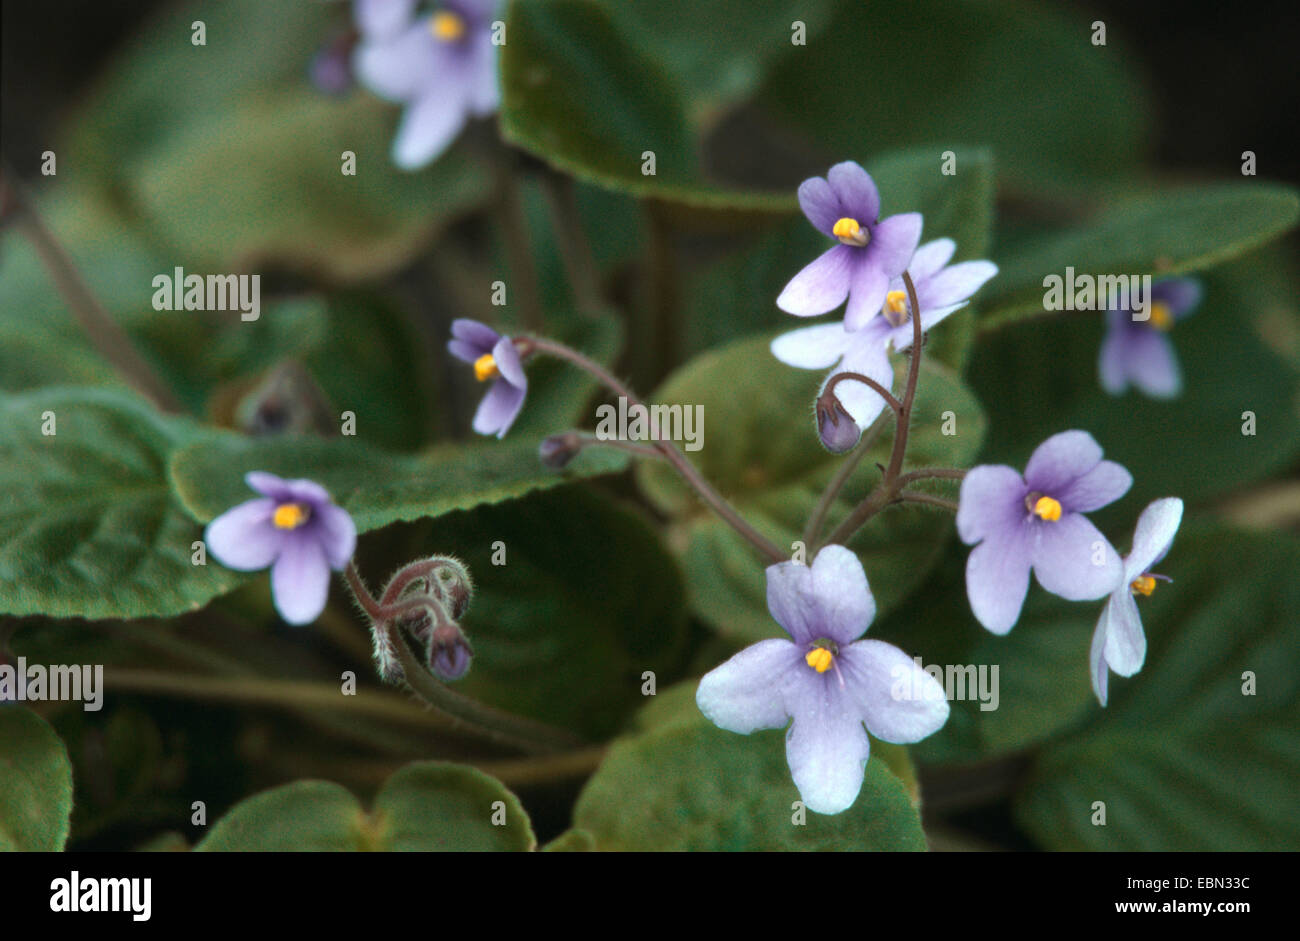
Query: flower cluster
{"x":866,"y":268}
{"x":1035,"y":522}
{"x":440,"y":65}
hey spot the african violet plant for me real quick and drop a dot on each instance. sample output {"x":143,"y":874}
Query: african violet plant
{"x":629,"y":595}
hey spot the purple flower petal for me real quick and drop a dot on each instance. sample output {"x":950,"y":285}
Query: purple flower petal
{"x":862,"y":402}
{"x":430,"y":124}
{"x":382,"y":19}
{"x":898,"y":701}
{"x":856,"y":191}
{"x":337,"y":534}
{"x":1112,"y":364}
{"x":483,"y":94}
{"x":1153,"y":535}
{"x":997,"y":580}
{"x":399,"y":67}
{"x":954,"y":285}
{"x":243,"y":538}
{"x":868,"y":286}
{"x":787,"y":600}
{"x":1060,"y":459}
{"x":821,"y":286}
{"x":499,"y":409}
{"x":992,"y":502}
{"x":1063,"y":556}
{"x":507,"y":360}
{"x":893,"y":242}
{"x":827,"y":748}
{"x":929,"y":259}
{"x":746,"y":693}
{"x":463,"y":351}
{"x":819,"y":204}
{"x":286,"y":491}
{"x":1151,"y":364}
{"x":1181,"y":295}
{"x":1104,"y":484}
{"x":1097,"y":660}
{"x":839,"y":592}
{"x":300,"y":579}
{"x":478,"y":335}
{"x":1126,"y":644}
{"x":811,"y":347}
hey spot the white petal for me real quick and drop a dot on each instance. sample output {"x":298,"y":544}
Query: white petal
{"x":897,"y":699}
{"x":812,"y":347}
{"x":745,"y":693}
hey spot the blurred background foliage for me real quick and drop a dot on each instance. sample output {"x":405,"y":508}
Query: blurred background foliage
{"x":1117,"y":158}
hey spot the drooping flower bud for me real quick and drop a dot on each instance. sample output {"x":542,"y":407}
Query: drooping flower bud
{"x":836,"y":429}
{"x":558,"y":450}
{"x":449,"y":652}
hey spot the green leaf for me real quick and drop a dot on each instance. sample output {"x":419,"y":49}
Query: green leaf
{"x":35,"y":784}
{"x":378,"y":487}
{"x":565,"y":636}
{"x":583,"y":90}
{"x":1185,"y":758}
{"x":1167,"y":233}
{"x":761,"y":452}
{"x":1238,"y":354}
{"x":89,"y":526}
{"x":571,"y":841}
{"x":429,"y":806}
{"x":737,"y":294}
{"x":1019,"y":77}
{"x":691,"y":786}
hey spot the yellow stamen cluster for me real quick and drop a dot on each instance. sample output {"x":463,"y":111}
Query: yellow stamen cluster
{"x":1048,"y":509}
{"x":290,"y":515}
{"x":485,"y":368}
{"x":896,"y":302}
{"x":847,"y":228}
{"x":1143,"y":585}
{"x":1161,"y":318}
{"x":819,"y":658}
{"x":447,"y":26}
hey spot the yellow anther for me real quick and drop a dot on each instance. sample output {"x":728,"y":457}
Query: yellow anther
{"x":846,"y":228}
{"x":1143,"y":585}
{"x":1161,"y":318}
{"x":819,"y":658}
{"x":290,"y":515}
{"x":1047,"y":508}
{"x":485,"y":368}
{"x":896,"y":302}
{"x":447,"y":26}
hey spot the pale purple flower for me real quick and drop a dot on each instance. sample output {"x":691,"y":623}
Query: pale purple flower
{"x":440,"y":64}
{"x":941,"y":289}
{"x":494,"y":357}
{"x":1119,"y":643}
{"x":825,"y":679}
{"x":295,"y":529}
{"x":846,"y":206}
{"x":1036,"y":521}
{"x":1139,"y":351}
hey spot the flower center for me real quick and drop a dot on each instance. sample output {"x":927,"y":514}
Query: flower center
{"x":1161,"y":318}
{"x":485,"y":368}
{"x":1143,"y":585}
{"x":822,"y":655}
{"x":1043,"y":507}
{"x":447,"y":26}
{"x":290,"y":515}
{"x":895,"y":309}
{"x":850,"y":233}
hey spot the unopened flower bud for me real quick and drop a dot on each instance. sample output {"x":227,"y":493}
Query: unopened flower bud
{"x":558,"y":450}
{"x":449,"y":652}
{"x":835,"y":427}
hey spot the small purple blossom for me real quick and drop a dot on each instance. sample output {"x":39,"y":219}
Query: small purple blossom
{"x":493,"y":357}
{"x":441,"y":65}
{"x":940,"y":291}
{"x":825,"y":679}
{"x":846,"y":206}
{"x":1119,"y":643}
{"x":295,"y":529}
{"x":1139,"y":351}
{"x":1036,"y":521}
